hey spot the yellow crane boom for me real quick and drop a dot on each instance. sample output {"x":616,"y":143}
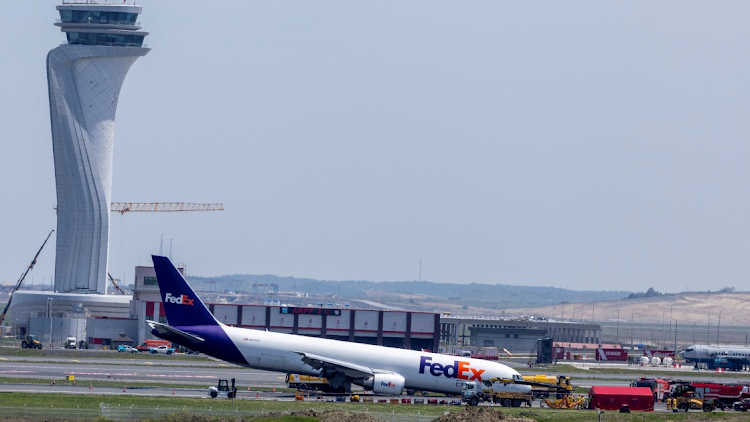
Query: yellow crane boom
{"x":123,"y":207}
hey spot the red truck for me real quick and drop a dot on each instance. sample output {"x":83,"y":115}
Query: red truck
{"x":147,"y":345}
{"x":659,"y":387}
{"x":724,"y":394}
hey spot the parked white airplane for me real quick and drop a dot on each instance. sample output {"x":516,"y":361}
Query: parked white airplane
{"x":729,"y":357}
{"x":383,"y":370}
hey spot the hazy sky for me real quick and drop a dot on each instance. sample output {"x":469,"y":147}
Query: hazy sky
{"x":588,"y":145}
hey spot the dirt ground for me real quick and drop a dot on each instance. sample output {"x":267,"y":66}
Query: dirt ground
{"x":479,"y":414}
{"x":338,"y":416}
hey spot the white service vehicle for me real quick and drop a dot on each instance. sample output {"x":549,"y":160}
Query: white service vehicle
{"x":223,"y":390}
{"x":162,"y":349}
{"x":503,"y":391}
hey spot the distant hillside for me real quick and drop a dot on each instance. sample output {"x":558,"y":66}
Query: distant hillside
{"x":701,"y":308}
{"x":488,"y":296}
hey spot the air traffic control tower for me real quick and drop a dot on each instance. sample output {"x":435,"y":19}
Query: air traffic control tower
{"x":84,"y":77}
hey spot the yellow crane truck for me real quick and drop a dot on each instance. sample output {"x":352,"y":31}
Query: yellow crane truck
{"x":544,"y":386}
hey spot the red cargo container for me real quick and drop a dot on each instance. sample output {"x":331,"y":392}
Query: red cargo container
{"x":612,"y":354}
{"x":558,"y":353}
{"x":614,"y":398}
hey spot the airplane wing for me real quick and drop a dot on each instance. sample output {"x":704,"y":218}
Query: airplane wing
{"x":173,"y":333}
{"x":349,"y":369}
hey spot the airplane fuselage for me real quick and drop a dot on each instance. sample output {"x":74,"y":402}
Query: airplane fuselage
{"x":384,"y":370}
{"x":421,"y":370}
{"x":733,"y":357}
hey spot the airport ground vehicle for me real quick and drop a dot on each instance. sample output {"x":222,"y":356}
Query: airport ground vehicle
{"x":688,"y":402}
{"x":308,"y":382}
{"x":688,"y":396}
{"x":70,"y":343}
{"x":147,"y":345}
{"x":223,"y":390}
{"x":724,"y":395}
{"x":660,"y":387}
{"x":30,"y":342}
{"x":742,"y":405}
{"x":161,"y":349}
{"x":124,"y":348}
{"x":499,"y":390}
{"x":547,"y":385}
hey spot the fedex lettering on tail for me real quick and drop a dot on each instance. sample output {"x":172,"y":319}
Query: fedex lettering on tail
{"x":459,"y":369}
{"x":179,"y":300}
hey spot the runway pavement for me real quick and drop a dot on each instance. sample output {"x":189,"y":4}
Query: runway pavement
{"x":138,"y":371}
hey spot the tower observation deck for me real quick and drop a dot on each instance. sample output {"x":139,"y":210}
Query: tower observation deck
{"x":84,"y":78}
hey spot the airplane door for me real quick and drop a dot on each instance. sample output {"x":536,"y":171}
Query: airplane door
{"x":273,"y":362}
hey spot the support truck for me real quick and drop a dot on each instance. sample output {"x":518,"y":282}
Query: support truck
{"x":499,"y":390}
{"x":547,"y":385}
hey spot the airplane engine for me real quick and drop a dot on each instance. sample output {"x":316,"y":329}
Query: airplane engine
{"x":385,"y":384}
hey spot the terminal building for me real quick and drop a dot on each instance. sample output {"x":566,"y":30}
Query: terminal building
{"x":98,"y":319}
{"x":513,"y":334}
{"x":402,"y":329}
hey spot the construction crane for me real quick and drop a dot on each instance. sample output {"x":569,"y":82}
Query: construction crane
{"x":20,"y":280}
{"x":114,"y":283}
{"x":123,"y":207}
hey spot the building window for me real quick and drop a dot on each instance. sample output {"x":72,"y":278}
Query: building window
{"x":507,"y":336}
{"x":515,"y":335}
{"x":150,"y":281}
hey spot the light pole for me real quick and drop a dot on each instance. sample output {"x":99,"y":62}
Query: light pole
{"x":670,"y":320}
{"x":694,"y":322}
{"x":675,"y":337}
{"x":708,"y":329}
{"x":718,"y":327}
{"x":617,"y":335}
{"x":631,"y":327}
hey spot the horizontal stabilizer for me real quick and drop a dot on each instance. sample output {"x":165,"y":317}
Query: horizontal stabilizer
{"x":170,"y":333}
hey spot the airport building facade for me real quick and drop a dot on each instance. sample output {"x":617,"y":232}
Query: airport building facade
{"x":513,"y":334}
{"x":401,"y":329}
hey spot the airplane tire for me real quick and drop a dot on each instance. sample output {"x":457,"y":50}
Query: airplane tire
{"x":474,"y":401}
{"x":214,"y":394}
{"x":507,"y":402}
{"x":516,"y":403}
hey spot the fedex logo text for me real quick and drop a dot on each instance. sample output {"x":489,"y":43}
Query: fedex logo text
{"x":459,"y":369}
{"x":179,"y":300}
{"x":387,"y":384}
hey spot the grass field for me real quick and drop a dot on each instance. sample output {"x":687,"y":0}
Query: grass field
{"x":89,"y":407}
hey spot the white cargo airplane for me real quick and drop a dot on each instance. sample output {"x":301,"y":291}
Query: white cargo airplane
{"x":384,"y":370}
{"x":728,"y":357}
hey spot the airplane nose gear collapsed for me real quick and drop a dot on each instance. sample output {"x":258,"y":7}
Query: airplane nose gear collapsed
{"x":384,"y":370}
